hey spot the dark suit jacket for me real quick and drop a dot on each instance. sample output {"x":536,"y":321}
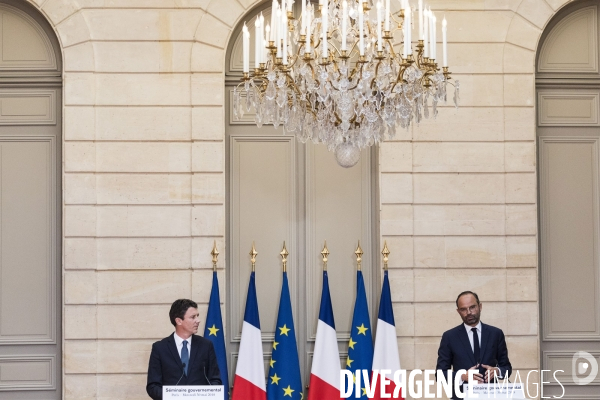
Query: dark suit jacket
{"x":455,"y":350}
{"x":165,"y":367}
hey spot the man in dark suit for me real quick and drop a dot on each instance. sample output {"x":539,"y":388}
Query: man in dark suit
{"x":182,"y":358}
{"x":473,"y":345}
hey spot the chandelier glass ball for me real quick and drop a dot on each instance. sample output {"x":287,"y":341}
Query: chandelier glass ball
{"x":347,"y":155}
{"x":345,"y":72}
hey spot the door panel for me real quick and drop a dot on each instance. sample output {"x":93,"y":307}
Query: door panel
{"x":30,"y":231}
{"x":280,"y":189}
{"x":567,"y":82}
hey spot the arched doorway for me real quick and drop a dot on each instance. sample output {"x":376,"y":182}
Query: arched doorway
{"x":280,"y":189}
{"x":568,"y":129}
{"x":30,"y":205}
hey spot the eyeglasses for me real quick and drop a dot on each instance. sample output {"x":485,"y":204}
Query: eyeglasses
{"x":470,"y":310}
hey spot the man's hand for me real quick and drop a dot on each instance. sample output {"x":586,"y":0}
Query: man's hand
{"x":491,"y":372}
{"x":478,"y":377}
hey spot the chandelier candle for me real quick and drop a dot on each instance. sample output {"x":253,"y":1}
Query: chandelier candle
{"x":340,"y":81}
{"x":344,"y":25}
{"x":379,"y":38}
{"x":434,"y":38}
{"x":431,"y":38}
{"x":420,"y":19}
{"x":284,"y":29}
{"x":307,"y":50}
{"x":273,"y":16}
{"x":324,"y":24}
{"x":426,"y":33}
{"x":257,"y":43}
{"x":246,"y":49}
{"x":444,"y":44}
{"x":361,"y":30}
{"x":278,"y":35}
{"x":387,"y":15}
{"x":408,"y":22}
{"x":263,"y":42}
{"x":303,"y":15}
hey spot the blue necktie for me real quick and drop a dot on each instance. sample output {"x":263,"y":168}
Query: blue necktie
{"x":476,"y":350}
{"x":185,"y":356}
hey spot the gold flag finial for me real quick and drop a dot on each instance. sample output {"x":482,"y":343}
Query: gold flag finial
{"x":386,"y":253}
{"x":253,"y":255}
{"x":325,"y":253}
{"x":284,"y":253}
{"x":359,"y":254}
{"x":215,"y":254}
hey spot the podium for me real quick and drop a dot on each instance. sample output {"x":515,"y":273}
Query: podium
{"x":497,"y":391}
{"x":194,"y":392}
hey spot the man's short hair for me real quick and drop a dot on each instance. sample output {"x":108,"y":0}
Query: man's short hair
{"x":179,"y":308}
{"x":467,"y":292}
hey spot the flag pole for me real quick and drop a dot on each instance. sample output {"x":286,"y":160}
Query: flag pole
{"x":324,"y":254}
{"x":253,"y":255}
{"x":215,"y":254}
{"x":386,"y":253}
{"x":284,"y":253}
{"x":359,"y":254}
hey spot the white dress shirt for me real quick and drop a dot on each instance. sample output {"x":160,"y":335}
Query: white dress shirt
{"x":179,"y":344}
{"x":470,"y":335}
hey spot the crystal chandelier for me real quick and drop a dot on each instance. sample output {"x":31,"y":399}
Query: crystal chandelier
{"x":333,"y":75}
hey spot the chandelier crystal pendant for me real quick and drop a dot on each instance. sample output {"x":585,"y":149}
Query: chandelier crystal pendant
{"x":333,"y":76}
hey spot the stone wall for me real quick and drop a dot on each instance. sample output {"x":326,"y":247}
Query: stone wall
{"x":144,"y":183}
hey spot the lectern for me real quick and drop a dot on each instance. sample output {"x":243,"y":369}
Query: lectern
{"x":497,"y":391}
{"x":194,"y":392}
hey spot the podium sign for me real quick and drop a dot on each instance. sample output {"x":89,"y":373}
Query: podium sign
{"x":194,"y":392}
{"x":498,"y":391}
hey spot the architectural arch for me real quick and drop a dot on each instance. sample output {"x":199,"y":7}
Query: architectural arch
{"x":31,"y":82}
{"x":566,"y":80}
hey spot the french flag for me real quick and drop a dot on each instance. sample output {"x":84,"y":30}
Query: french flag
{"x":249,"y":381}
{"x":325,"y":370}
{"x":385,"y":354}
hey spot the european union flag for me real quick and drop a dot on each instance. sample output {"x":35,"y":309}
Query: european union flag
{"x":284,"y":380}
{"x":360,"y":347}
{"x":214,"y":332}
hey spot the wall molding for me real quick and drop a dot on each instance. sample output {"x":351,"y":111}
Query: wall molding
{"x":43,"y":103}
{"x":6,"y":362}
{"x":545,"y":259}
{"x":565,"y":378}
{"x":50,"y":336}
{"x":556,"y":36}
{"x":555,"y":105}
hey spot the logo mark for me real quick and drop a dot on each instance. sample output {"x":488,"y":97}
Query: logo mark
{"x":581,"y":367}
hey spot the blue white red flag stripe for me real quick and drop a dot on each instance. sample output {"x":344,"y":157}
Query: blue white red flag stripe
{"x":325,"y":369}
{"x":249,"y":381}
{"x":385,"y":355}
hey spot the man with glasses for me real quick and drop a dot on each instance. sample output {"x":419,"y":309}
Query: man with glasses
{"x":473,"y":345}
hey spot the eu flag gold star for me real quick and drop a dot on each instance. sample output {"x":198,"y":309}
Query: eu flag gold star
{"x":362,"y":330}
{"x":364,"y":391}
{"x":272,"y":362}
{"x":284,"y":330}
{"x":213,"y":330}
{"x":288,"y":391}
{"x":351,"y":344}
{"x":275,"y":379}
{"x":348,"y":362}
{"x":275,"y":345}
